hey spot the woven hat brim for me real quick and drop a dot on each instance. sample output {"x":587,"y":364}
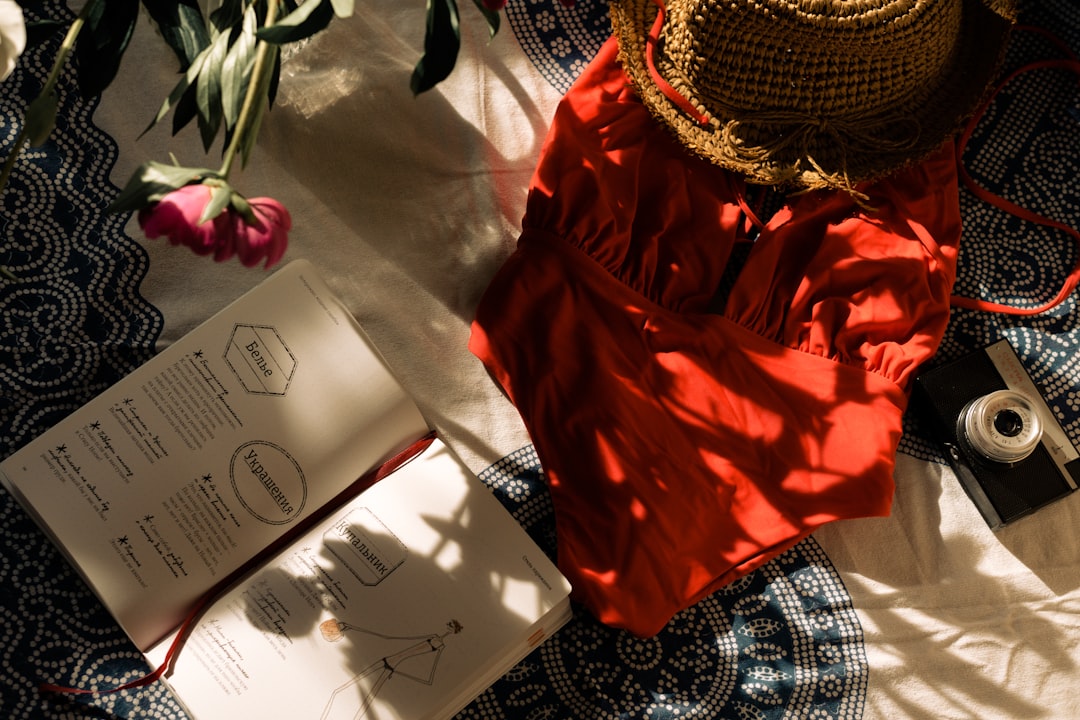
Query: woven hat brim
{"x":939,"y":115}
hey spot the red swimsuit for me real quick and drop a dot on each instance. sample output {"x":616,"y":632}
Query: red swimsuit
{"x":684,"y":449}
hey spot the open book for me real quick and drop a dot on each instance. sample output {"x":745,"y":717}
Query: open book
{"x":234,"y":457}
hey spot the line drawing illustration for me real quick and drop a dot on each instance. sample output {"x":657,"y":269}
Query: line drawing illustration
{"x":420,"y":655}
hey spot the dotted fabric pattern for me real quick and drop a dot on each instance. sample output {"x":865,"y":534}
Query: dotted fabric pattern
{"x":72,"y":325}
{"x":75,"y":322}
{"x":559,"y":40}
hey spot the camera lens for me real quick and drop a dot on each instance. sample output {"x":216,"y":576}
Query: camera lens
{"x":1008,"y":423}
{"x":1003,"y":426}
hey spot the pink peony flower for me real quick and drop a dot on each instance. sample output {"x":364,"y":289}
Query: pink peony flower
{"x":176,"y":216}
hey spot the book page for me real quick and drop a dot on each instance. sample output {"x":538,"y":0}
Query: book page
{"x":174,"y":477}
{"x":406,"y":603}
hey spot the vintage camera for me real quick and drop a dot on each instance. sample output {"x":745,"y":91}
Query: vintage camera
{"x":1003,"y":442}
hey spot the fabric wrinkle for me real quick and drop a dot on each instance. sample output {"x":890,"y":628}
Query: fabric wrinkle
{"x":685,"y":449}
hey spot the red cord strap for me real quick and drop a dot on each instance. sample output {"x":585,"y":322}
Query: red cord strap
{"x":365,"y":481}
{"x":1008,"y":206}
{"x":662,"y":84}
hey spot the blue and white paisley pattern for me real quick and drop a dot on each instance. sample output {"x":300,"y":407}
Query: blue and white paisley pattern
{"x":75,"y":322}
{"x":782,"y":642}
{"x":70,"y":326}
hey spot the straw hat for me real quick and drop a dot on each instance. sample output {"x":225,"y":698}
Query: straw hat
{"x":812,"y":93}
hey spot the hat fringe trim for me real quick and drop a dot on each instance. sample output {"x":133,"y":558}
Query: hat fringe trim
{"x":795,"y":139}
{"x":794,"y":131}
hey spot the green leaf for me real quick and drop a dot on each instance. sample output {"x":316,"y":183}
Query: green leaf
{"x":208,"y":90}
{"x":182,"y":26}
{"x":236,"y":69}
{"x":239,"y":204}
{"x":226,"y":17}
{"x":178,"y":92}
{"x":186,"y":110}
{"x":442,"y":40}
{"x":41,"y":118}
{"x":220,"y":198}
{"x":152,"y":181}
{"x":275,"y":78}
{"x":492,"y":17}
{"x":308,"y":19}
{"x":199,"y":93}
{"x":102,"y":42}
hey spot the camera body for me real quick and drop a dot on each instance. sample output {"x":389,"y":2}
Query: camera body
{"x":1008,"y":451}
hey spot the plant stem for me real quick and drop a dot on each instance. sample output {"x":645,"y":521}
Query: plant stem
{"x":50,"y":86}
{"x":251,"y":112}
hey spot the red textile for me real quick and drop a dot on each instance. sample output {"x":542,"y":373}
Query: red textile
{"x":684,"y":449}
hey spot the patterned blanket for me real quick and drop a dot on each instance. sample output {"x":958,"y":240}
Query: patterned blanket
{"x":832,"y":629}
